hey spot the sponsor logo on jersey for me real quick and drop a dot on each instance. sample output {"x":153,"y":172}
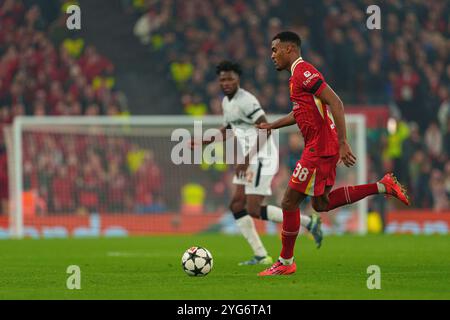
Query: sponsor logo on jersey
{"x":307,"y":74}
{"x":310,"y":78}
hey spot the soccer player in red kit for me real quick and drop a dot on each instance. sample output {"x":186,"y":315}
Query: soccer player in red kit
{"x":325,"y":145}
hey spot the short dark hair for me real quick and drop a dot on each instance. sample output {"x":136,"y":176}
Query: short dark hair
{"x":289,"y":36}
{"x":228,"y":66}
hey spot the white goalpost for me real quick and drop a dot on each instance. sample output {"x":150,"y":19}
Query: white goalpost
{"x":100,"y":176}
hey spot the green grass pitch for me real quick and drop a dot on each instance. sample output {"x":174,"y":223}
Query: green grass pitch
{"x":412,"y":267}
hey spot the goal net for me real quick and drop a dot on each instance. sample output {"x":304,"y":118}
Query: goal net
{"x":107,"y":176}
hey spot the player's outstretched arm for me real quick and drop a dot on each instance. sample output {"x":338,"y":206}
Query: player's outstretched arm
{"x":286,"y":121}
{"x":260,"y":140}
{"x":222,"y":136}
{"x":328,"y":96}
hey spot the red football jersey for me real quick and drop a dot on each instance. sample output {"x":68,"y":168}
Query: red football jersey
{"x":310,"y":112}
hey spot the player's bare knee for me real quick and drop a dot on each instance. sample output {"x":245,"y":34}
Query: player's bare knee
{"x":320,"y":208}
{"x":320,"y":205}
{"x":237,"y":205}
{"x":253,"y":212}
{"x":288,"y":205}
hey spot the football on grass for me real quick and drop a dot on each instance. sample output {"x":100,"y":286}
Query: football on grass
{"x":197,"y":261}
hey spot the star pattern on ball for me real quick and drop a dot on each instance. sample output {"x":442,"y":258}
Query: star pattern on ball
{"x":192,"y":255}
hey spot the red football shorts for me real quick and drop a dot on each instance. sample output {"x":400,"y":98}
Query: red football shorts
{"x":313,"y":174}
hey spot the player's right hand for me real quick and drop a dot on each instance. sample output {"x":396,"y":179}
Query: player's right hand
{"x":264,"y":126}
{"x":346,"y":154}
{"x":241,"y":170}
{"x":192,"y":144}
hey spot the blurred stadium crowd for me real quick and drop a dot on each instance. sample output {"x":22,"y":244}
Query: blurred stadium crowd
{"x":91,"y":173}
{"x":406,"y":62}
{"x":405,"y":65}
{"x":45,"y":69}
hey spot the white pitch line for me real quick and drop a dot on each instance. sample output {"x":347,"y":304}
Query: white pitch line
{"x":130,"y":254}
{"x":122,"y":254}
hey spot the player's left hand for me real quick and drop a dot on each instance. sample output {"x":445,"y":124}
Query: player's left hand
{"x":346,"y":154}
{"x":264,"y":126}
{"x":192,"y":144}
{"x":241,"y":170}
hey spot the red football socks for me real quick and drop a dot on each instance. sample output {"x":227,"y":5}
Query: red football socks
{"x":339,"y":197}
{"x":350,"y":194}
{"x":291,"y":226}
